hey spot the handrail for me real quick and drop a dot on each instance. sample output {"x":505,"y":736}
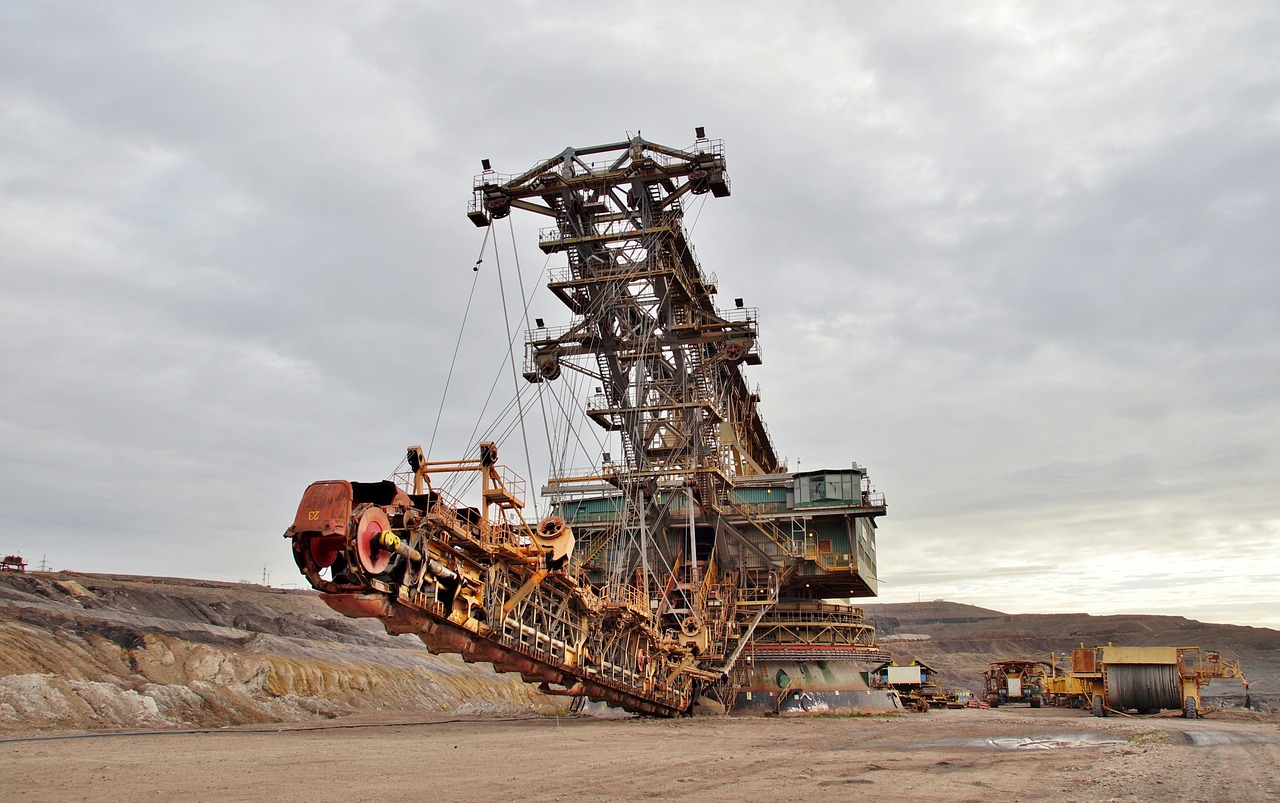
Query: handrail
{"x":766,"y":527}
{"x":446,"y":507}
{"x":619,"y":593}
{"x":508,"y":481}
{"x":768,"y":594}
{"x":829,"y":561}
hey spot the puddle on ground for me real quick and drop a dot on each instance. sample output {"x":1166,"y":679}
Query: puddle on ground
{"x":1065,"y":740}
{"x":1198,"y":738}
{"x":1051,"y":742}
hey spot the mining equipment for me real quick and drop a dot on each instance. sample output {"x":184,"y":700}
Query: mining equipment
{"x":916,"y":684}
{"x":1015,"y":681}
{"x":959,"y":698}
{"x":1142,"y":680}
{"x":686,"y":561}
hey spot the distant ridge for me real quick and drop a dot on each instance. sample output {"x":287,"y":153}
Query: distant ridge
{"x":937,"y":610}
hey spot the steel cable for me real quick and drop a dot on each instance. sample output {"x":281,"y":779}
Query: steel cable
{"x":1146,"y":687}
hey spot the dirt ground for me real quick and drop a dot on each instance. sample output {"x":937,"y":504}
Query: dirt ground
{"x":1009,"y":754}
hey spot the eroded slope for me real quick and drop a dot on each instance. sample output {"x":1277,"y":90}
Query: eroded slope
{"x":97,"y":652}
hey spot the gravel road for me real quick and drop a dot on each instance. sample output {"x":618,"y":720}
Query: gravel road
{"x":1005,"y":754}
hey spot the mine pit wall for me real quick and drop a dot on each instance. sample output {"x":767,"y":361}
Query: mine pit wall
{"x":94,"y":653}
{"x":245,"y":689}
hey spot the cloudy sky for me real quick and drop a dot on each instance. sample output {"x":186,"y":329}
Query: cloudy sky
{"x":1019,"y":259}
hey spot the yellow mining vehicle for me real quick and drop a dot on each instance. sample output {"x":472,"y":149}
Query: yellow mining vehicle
{"x":1144,"y":680}
{"x":916,"y":684}
{"x":1016,"y":681}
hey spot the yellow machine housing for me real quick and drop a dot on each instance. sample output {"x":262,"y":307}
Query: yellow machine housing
{"x":1144,"y":680}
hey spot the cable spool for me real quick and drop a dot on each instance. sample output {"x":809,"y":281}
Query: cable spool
{"x":548,"y":366}
{"x":694,"y":634}
{"x":1146,"y":687}
{"x":499,"y":206}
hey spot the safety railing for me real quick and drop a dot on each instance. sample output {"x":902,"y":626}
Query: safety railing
{"x":831,"y":561}
{"x":509,"y":482}
{"x":547,"y":333}
{"x":445,"y":508}
{"x":766,"y":527}
{"x":707,"y":584}
{"x":624,"y":229}
{"x":760,"y":592}
{"x":624,"y":594}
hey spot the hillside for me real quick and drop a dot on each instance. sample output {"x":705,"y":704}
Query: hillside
{"x":95,"y":652}
{"x":960,"y":640}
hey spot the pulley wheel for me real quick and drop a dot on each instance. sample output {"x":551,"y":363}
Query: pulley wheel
{"x":549,"y":368}
{"x":699,"y":182}
{"x":550,"y":527}
{"x":373,"y":559}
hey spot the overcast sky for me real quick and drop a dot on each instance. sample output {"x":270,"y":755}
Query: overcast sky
{"x":1018,"y":259}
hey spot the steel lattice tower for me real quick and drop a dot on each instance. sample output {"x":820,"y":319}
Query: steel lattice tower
{"x":645,"y":324}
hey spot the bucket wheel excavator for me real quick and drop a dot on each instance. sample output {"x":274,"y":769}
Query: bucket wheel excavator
{"x":686,"y":563}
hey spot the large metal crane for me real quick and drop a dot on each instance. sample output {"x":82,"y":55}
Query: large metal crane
{"x":665,"y":360}
{"x":690,"y":562}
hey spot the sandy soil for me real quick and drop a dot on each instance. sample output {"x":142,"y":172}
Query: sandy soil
{"x":85,"y":660}
{"x":1009,"y":754}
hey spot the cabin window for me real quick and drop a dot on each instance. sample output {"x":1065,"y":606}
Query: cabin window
{"x":828,"y":488}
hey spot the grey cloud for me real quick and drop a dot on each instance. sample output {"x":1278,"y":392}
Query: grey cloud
{"x":1018,"y":262}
